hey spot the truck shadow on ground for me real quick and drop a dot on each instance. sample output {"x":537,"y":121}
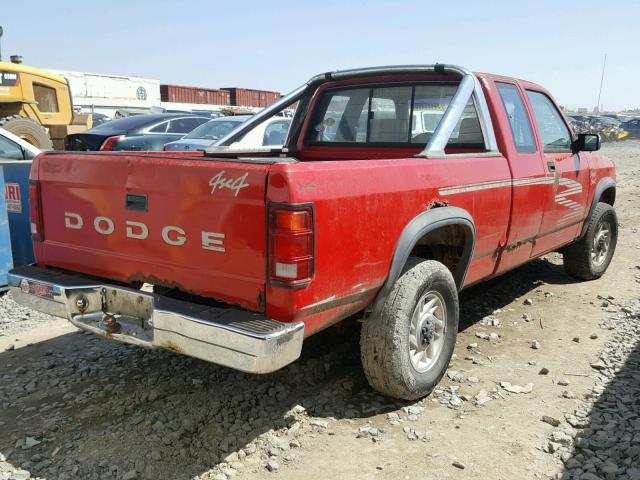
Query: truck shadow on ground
{"x":101,"y":409}
{"x":483,"y":299}
{"x":607,"y":444}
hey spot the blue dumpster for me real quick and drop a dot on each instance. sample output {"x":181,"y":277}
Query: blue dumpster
{"x":6,"y":259}
{"x":16,"y":200}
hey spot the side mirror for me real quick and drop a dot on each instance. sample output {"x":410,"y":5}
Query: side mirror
{"x":587,"y":142}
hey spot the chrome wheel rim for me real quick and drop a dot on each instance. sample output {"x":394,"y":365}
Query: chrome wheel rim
{"x":601,"y":244}
{"x":428,"y":327}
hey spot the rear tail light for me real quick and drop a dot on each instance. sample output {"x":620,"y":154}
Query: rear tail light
{"x":108,"y":143}
{"x":291,"y":245}
{"x":35,"y":210}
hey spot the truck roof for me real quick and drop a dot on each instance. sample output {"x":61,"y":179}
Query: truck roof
{"x":20,"y":68}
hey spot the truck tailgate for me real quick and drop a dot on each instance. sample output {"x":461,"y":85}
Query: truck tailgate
{"x":194,"y":224}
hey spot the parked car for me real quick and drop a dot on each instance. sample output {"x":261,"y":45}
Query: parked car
{"x":208,"y":113}
{"x":13,"y":147}
{"x":633,"y":127}
{"x":99,"y":119}
{"x":579,"y":123}
{"x":272,"y":132}
{"x":207,"y":133}
{"x":608,"y":128}
{"x":138,"y":132}
{"x":251,"y":251}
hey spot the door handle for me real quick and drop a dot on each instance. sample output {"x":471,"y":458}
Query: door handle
{"x":552,"y":166}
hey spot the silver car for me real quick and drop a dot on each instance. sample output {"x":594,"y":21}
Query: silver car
{"x":272,"y":132}
{"x":207,"y":133}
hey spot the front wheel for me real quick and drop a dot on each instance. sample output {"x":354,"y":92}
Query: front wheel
{"x":589,"y":258}
{"x":406,"y":350}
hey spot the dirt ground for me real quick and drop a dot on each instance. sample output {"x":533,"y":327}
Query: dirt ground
{"x":103,"y":410}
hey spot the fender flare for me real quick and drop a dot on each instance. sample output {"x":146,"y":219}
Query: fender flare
{"x":604,"y":184}
{"x":416,"y":229}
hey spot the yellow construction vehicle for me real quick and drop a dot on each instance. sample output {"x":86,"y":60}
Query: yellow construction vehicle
{"x":35,"y":104}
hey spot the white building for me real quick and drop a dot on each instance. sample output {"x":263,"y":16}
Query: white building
{"x":95,"y":92}
{"x":104,"y":93}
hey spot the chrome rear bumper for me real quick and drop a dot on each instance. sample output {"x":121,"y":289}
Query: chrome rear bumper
{"x":231,"y":337}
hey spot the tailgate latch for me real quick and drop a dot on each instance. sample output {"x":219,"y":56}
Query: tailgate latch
{"x":136,"y":203}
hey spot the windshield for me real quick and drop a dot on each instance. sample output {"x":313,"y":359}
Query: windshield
{"x":214,"y":130}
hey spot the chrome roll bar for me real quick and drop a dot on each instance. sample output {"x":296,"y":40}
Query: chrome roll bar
{"x":468,"y":88}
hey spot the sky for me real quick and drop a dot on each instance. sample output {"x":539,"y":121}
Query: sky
{"x":278,"y":45}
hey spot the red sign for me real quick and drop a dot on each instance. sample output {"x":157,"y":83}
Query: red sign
{"x":12,"y":197}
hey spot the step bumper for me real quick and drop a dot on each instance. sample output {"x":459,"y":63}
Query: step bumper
{"x":235,"y":338}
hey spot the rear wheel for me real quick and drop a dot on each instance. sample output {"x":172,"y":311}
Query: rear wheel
{"x":589,"y":258}
{"x":406,"y":350}
{"x":28,"y":130}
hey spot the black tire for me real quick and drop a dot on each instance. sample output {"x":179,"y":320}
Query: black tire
{"x":385,"y":339}
{"x":577,"y":257}
{"x":28,"y":130}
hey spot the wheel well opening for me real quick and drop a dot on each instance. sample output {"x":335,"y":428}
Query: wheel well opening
{"x":445,"y":245}
{"x":609,"y":196}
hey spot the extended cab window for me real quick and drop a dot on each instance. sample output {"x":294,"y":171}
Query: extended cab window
{"x":554,"y":134}
{"x":518,"y":118}
{"x":403,"y":115}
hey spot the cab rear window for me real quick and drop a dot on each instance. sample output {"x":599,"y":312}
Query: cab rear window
{"x":390,"y":115}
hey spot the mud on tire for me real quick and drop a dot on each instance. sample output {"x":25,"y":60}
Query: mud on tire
{"x":390,"y":343}
{"x":589,"y":258}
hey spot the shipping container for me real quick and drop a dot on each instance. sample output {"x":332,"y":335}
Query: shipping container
{"x":246,"y":97}
{"x":203,"y":96}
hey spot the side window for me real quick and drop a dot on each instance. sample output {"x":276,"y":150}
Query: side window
{"x":404,"y":115}
{"x":46,"y":98}
{"x":518,"y":118}
{"x":276,"y":132}
{"x":184,"y":125}
{"x":10,"y":150}
{"x":160,"y":128}
{"x":554,"y":134}
{"x":429,"y":104}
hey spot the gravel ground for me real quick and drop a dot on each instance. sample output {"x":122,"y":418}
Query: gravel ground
{"x":601,"y":438}
{"x":15,"y":318}
{"x":543,"y":384}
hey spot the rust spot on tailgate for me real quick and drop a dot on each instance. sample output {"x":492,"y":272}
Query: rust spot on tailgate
{"x":153,"y":280}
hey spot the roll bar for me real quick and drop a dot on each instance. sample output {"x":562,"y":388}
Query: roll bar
{"x":468,"y":88}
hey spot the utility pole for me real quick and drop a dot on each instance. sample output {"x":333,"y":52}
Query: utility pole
{"x":1,"y":32}
{"x":604,"y":64}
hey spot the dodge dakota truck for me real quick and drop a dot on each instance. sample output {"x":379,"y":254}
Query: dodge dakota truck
{"x":395,"y":188}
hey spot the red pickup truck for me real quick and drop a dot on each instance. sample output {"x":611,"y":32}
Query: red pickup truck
{"x":395,"y":188}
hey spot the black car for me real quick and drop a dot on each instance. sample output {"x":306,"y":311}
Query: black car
{"x":139,"y":132}
{"x":633,"y":127}
{"x":99,"y":119}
